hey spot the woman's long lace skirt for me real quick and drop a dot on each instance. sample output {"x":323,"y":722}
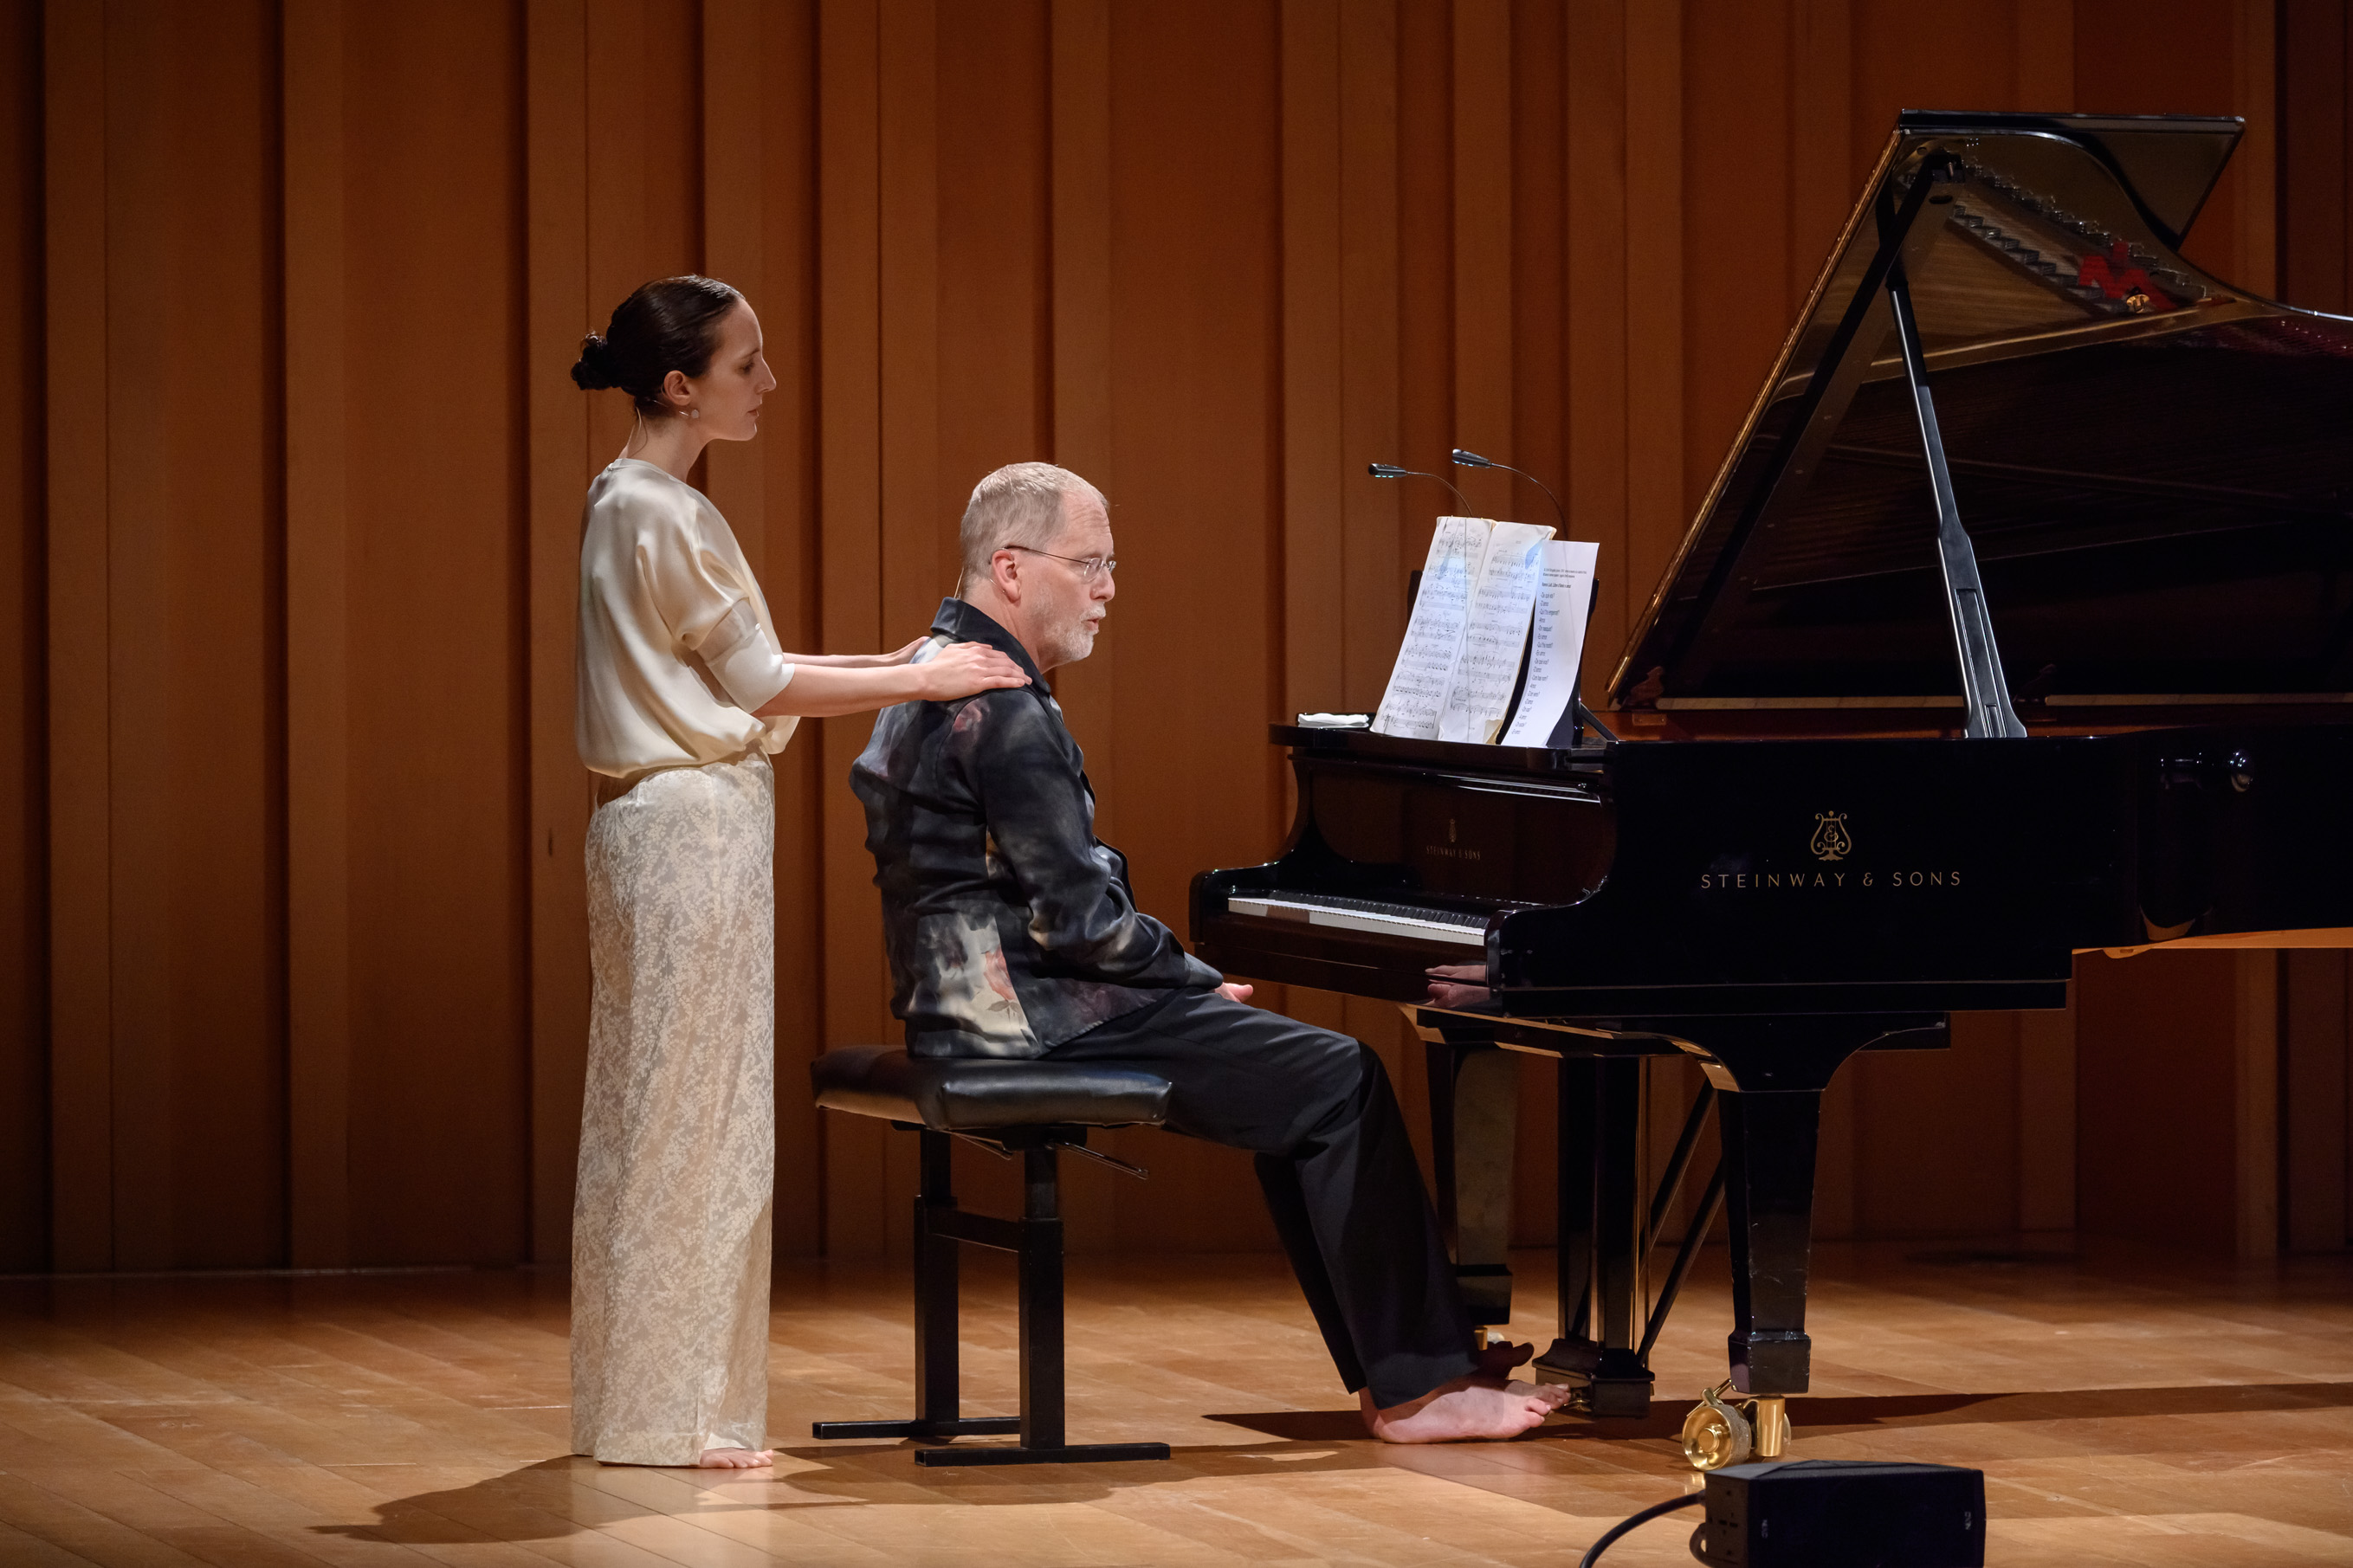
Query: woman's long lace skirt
{"x":671,"y":1227}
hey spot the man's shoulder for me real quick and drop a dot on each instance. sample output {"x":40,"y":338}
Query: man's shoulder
{"x":1006,"y":716}
{"x":988,"y":723}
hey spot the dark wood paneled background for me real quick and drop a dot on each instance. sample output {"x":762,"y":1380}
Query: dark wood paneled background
{"x":291,"y":956}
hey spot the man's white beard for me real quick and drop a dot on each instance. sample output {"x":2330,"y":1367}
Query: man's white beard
{"x":1068,"y":642}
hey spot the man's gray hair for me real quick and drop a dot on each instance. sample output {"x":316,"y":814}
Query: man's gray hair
{"x":1020,"y":503}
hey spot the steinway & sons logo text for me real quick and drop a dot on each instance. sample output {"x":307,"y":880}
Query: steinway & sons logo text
{"x":1830,"y":843}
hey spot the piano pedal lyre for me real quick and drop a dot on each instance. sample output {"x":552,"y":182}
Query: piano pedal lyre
{"x":1721,"y":1431}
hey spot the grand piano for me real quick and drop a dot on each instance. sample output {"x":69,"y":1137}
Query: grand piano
{"x":2017,"y":623}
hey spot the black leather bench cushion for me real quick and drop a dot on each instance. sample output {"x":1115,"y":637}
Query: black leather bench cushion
{"x":965,"y":1095}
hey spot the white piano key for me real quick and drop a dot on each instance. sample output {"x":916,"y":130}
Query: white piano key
{"x":1355,"y":919}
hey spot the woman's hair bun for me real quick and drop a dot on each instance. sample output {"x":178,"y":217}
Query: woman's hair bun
{"x":668,"y":324}
{"x":595,"y":371}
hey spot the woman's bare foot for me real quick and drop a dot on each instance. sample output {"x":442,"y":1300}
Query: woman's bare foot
{"x":1468,"y":1409}
{"x":736,"y":1459}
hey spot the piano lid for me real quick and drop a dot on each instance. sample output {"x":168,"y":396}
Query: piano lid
{"x":2156,"y":467}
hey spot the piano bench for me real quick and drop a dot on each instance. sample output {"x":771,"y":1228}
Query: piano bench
{"x":1034,"y":1109}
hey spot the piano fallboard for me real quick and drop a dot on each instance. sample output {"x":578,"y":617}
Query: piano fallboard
{"x":1848,"y":876}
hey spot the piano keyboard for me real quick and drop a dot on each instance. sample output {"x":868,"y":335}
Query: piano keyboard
{"x":1343,"y":913}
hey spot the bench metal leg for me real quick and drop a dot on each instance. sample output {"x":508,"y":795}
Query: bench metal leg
{"x":1036,"y":1240}
{"x":1042,"y":1426}
{"x":1041,"y":1301}
{"x":938,"y":1371}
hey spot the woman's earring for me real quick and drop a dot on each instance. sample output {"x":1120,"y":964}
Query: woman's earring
{"x":694,"y":414}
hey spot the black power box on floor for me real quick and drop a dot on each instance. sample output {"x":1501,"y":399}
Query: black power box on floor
{"x":1840,"y":1513}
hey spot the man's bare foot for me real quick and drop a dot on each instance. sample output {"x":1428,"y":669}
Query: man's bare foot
{"x":736,"y":1459}
{"x":1468,"y":1409}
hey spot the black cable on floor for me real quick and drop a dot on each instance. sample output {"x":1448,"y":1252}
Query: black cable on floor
{"x":1631,"y":1520}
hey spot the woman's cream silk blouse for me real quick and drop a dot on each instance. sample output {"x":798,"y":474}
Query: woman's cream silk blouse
{"x":677,"y":650}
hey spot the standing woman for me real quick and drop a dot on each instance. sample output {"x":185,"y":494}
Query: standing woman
{"x":684,"y":690}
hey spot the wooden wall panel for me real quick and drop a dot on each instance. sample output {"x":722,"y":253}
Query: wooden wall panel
{"x":2046,"y":54}
{"x":1372,"y":543}
{"x":1735,"y":316}
{"x":82,"y":1075}
{"x":1314,"y":462}
{"x":994,"y":242}
{"x":440,"y":786}
{"x":300,"y":851}
{"x":2154,"y":1064}
{"x":1195,"y":387}
{"x":850,"y":468}
{"x":2190,"y":57}
{"x":1075,"y":397}
{"x":168,"y":1114}
{"x":1426,"y":252}
{"x":558,"y":315}
{"x":2315,"y":239}
{"x":914,"y":566}
{"x":1485,"y":338}
{"x":786,"y":293}
{"x":1313,"y":602}
{"x":2047,"y":1110}
{"x":2316,"y":252}
{"x":1822,"y":168}
{"x":210,"y":765}
{"x":318,"y":640}
{"x":1535,"y":234}
{"x":1079,"y":209}
{"x":2317,"y":1168}
{"x":644,"y":139}
{"x":732,"y":173}
{"x":139,"y":137}
{"x":615,"y":141}
{"x":1937,"y":1134}
{"x":24,"y":835}
{"x":1594,"y":284}
{"x":1657,"y":491}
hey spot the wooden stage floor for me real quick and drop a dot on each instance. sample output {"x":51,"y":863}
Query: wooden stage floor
{"x":2126,"y":1408}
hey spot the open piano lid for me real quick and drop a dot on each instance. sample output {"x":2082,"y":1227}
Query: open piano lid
{"x":2156,"y":467}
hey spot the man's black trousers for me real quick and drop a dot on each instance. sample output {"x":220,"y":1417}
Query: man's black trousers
{"x":1339,"y":1174}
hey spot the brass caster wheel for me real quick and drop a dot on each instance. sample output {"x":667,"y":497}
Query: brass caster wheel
{"x":1715,"y":1434}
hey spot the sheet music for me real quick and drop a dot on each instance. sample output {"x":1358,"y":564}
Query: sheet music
{"x":1562,"y":609}
{"x":1417,"y":688}
{"x":1495,"y":633}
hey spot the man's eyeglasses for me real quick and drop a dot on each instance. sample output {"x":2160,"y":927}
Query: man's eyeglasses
{"x":1089,"y":566}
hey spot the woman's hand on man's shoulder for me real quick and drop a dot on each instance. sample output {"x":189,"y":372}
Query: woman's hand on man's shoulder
{"x":962,"y":669}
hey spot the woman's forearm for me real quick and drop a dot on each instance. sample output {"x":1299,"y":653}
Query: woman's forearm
{"x":843,"y":660}
{"x":829,"y":690}
{"x":856,"y":683}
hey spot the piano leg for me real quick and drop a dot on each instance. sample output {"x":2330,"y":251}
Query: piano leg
{"x":1474,"y":1118}
{"x":1768,"y":1157}
{"x":1601,"y":1226}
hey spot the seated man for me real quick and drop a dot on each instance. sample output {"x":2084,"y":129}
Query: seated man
{"x":1013,"y":933}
